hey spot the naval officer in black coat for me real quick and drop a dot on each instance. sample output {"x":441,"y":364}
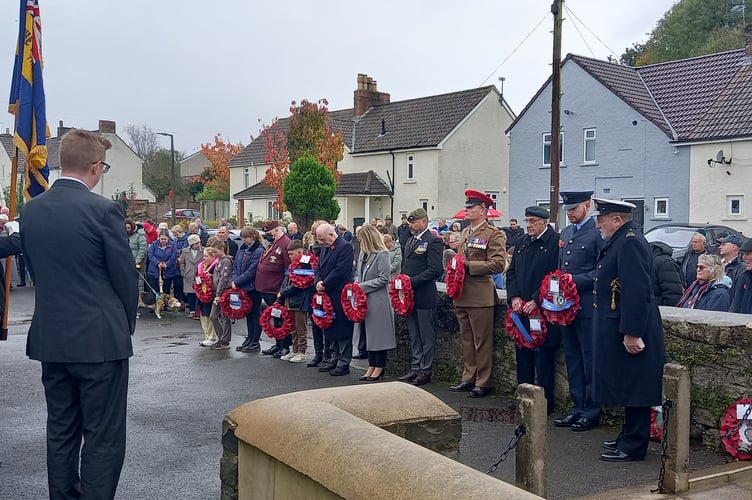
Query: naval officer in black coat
{"x":86,"y":295}
{"x":628,"y":348}
{"x":580,"y":245}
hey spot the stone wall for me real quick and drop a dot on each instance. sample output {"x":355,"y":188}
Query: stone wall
{"x":716,"y":347}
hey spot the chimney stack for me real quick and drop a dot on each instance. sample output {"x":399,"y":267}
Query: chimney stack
{"x":106,"y":127}
{"x":61,"y":129}
{"x":367,"y":95}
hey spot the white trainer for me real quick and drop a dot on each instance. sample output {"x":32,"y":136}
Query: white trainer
{"x":298,"y":358}
{"x":288,"y":356}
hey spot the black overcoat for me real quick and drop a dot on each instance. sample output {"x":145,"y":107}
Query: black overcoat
{"x":335,"y":269}
{"x":624,"y":304}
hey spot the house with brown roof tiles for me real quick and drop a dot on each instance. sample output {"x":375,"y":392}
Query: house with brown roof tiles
{"x":401,"y":155}
{"x":674,"y":138}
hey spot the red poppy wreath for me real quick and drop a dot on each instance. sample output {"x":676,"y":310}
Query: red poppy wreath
{"x":561,"y":304}
{"x":354,"y":302}
{"x":323,"y":311}
{"x":401,"y":294}
{"x":277,"y":314}
{"x":204,"y":287}
{"x":521,"y":337}
{"x":235,"y":303}
{"x":455,"y":276}
{"x":302,"y":269}
{"x":736,"y":430}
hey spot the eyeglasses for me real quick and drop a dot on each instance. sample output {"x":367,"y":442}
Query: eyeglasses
{"x":700,"y":267}
{"x":105,"y":166}
{"x":533,"y":221}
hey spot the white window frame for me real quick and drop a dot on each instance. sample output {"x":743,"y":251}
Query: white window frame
{"x":246,"y":177}
{"x":424,"y":204}
{"x":547,"y":144}
{"x":585,"y":141}
{"x":410,"y":168}
{"x":271,"y":212}
{"x":494,"y":195}
{"x":661,"y":214}
{"x":729,"y":202}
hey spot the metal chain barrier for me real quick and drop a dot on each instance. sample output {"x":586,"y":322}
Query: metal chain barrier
{"x":666,"y":409}
{"x":742,"y":447}
{"x":519,"y":431}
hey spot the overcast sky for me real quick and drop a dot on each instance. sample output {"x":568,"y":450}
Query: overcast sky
{"x":196,"y":67}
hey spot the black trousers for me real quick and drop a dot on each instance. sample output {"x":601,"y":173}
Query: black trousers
{"x":252,"y":320}
{"x":538,"y":363}
{"x":634,"y":438}
{"x":85,"y":401}
{"x":286,"y":342}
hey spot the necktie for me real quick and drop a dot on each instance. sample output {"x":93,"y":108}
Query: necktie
{"x":576,"y":228}
{"x":412,"y":244}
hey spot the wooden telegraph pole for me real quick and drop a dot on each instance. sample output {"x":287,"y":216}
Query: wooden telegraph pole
{"x":556,"y":9}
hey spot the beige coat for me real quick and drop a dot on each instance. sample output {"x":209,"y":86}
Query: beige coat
{"x":189,"y":266}
{"x":484,"y":251}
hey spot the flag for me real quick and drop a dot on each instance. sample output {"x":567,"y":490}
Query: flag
{"x":27,"y":100}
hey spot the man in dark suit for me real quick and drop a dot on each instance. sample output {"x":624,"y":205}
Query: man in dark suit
{"x":580,"y":245}
{"x":628,"y":348}
{"x":334,"y":271}
{"x":81,"y":330}
{"x":536,"y":255}
{"x":421,"y":261}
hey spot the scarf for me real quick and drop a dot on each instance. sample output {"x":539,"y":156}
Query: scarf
{"x":692,"y":294}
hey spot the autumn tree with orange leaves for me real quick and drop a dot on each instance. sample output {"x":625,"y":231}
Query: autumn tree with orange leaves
{"x":308,"y":133}
{"x":216,"y":177}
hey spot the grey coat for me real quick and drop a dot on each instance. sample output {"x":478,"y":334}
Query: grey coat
{"x":373,"y":278}
{"x":189,"y":266}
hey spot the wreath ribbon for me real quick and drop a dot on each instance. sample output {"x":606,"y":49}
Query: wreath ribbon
{"x":521,"y":337}
{"x":323,"y":314}
{"x":302,"y":277}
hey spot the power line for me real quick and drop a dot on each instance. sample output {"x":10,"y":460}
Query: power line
{"x":583,"y":38}
{"x":515,"y":50}
{"x":589,"y":30}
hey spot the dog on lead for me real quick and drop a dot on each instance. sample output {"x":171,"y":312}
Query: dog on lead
{"x":157,"y":302}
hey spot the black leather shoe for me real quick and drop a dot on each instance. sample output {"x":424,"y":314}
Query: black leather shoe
{"x":339,"y":371}
{"x":251,"y":348}
{"x":326,"y":367}
{"x":609,"y":445}
{"x":479,"y":392}
{"x":565,"y":421}
{"x":360,"y":355}
{"x":268,"y":352}
{"x":408,"y":377}
{"x":421,"y":379}
{"x":282,"y":352}
{"x":315,"y":361}
{"x":462,"y":387}
{"x":616,"y":456}
{"x":584,"y":424}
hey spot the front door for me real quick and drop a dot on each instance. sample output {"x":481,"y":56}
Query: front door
{"x":638,"y":216}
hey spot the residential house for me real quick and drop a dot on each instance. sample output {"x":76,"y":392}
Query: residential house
{"x":193,"y":165}
{"x":6,"y":151}
{"x":644,"y":135}
{"x":429,"y":149}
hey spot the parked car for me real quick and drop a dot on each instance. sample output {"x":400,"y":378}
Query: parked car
{"x":679,"y":236}
{"x":183,"y":213}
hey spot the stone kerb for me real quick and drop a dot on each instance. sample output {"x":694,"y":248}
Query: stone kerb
{"x":331,"y":443}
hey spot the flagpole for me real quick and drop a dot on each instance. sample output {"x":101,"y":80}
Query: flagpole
{"x":11,"y":216}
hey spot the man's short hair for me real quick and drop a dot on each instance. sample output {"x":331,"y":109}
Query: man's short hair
{"x":512,"y":220}
{"x":295,"y":245}
{"x":79,"y":149}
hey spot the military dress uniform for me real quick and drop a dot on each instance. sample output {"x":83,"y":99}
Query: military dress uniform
{"x":532,"y":260}
{"x":579,"y":248}
{"x":623,"y":304}
{"x":484,"y":251}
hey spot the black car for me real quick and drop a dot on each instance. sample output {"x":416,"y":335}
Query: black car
{"x":679,"y":236}
{"x":183,"y":213}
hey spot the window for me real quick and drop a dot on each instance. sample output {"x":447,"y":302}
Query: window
{"x":494,"y":195}
{"x":246,"y":178}
{"x":588,"y":136}
{"x":735,"y":206}
{"x":271,"y":212}
{"x":547,"y":149}
{"x":410,"y":167}
{"x":424,"y":204}
{"x":660,"y":207}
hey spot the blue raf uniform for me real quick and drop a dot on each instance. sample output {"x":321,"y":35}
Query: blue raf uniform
{"x":624,"y":308}
{"x":580,"y":244}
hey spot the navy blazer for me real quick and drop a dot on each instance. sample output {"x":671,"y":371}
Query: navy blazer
{"x":578,"y":252}
{"x":85,"y":283}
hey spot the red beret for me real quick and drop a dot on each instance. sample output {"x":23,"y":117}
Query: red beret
{"x":475,"y":197}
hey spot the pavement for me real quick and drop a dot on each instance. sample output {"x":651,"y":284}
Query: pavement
{"x":180,"y":392}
